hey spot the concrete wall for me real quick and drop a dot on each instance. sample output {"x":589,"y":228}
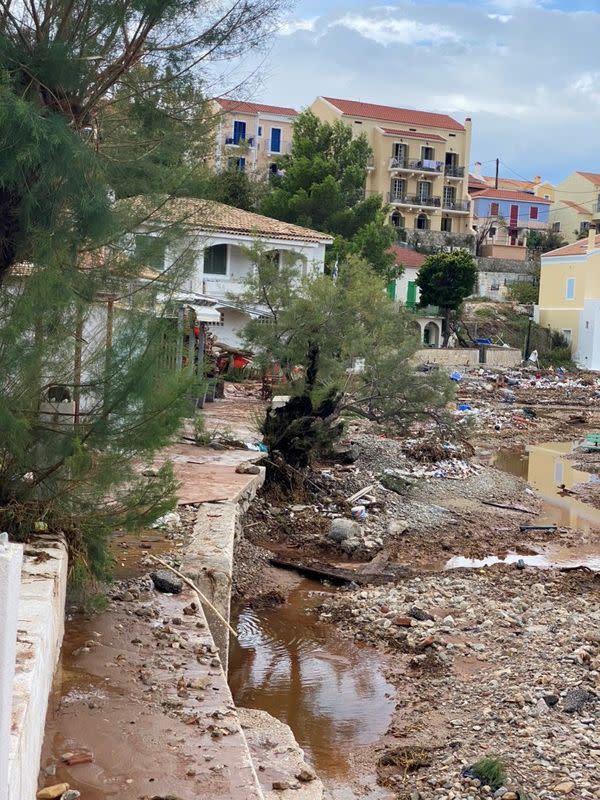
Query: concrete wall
{"x":40,"y":632}
{"x":10,"y":583}
{"x":449,"y":356}
{"x":436,"y":241}
{"x":503,"y":357}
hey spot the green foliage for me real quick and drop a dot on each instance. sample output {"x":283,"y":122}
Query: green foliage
{"x":320,"y":330}
{"x":490,"y":771}
{"x":544,"y":241}
{"x":524,"y":292}
{"x":322,"y":187}
{"x":446,"y":279}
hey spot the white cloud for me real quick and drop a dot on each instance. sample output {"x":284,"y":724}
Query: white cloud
{"x":388,"y":30}
{"x":291,"y":26}
{"x":501,"y":17}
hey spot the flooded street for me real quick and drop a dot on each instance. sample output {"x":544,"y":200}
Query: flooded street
{"x":332,"y":693}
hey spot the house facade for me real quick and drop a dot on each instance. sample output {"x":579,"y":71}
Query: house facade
{"x":404,"y":290}
{"x":214,"y":241}
{"x":251,"y":136}
{"x":576,"y":205}
{"x":570,"y":297}
{"x":502,"y":219}
{"x":420,"y":161}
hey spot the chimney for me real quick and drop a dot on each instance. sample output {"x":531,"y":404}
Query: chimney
{"x":591,"y":242}
{"x":537,"y":179}
{"x":477,"y":170}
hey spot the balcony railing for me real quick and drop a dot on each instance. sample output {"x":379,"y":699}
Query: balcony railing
{"x":455,"y":205}
{"x":454,"y":172}
{"x":416,"y":165}
{"x":414,"y":200}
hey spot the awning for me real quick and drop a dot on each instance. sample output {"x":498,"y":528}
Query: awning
{"x":206,"y":313}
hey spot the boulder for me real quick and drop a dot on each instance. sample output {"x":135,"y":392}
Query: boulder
{"x":165,"y":581}
{"x":575,"y":699}
{"x":52,"y":792}
{"x":247,"y":468}
{"x":342,"y":529}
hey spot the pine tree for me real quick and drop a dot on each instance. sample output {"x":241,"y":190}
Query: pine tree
{"x":98,"y":101}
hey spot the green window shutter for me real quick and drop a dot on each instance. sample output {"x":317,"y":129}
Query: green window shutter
{"x":215,"y":260}
{"x":391,"y":290}
{"x":411,"y":294}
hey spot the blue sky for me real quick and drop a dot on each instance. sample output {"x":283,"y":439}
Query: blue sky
{"x":526,"y":71}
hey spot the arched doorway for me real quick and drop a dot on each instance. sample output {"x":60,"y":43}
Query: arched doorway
{"x":397,"y":219}
{"x":431,"y":335}
{"x":422,"y":222}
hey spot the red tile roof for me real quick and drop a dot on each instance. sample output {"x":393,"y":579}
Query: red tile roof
{"x":429,"y":136}
{"x":477,"y":183}
{"x":578,"y":248}
{"x":509,"y":183}
{"x":408,"y":116}
{"x":406,"y":257}
{"x":577,"y":207}
{"x":242,"y":107}
{"x":592,"y":177}
{"x":505,"y":194}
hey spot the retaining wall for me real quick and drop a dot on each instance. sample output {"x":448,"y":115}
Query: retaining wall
{"x":503,"y":357}
{"x":40,"y":631}
{"x":458,"y":357}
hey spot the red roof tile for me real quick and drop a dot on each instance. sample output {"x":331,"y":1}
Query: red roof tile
{"x":429,"y":136}
{"x":408,"y":116}
{"x":592,"y":177}
{"x":578,"y":248}
{"x":509,"y":183}
{"x":406,"y":257}
{"x":506,"y":194}
{"x":476,"y":183}
{"x":243,"y":107}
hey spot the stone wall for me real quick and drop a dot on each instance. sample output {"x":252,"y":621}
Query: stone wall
{"x":496,"y":274}
{"x":457,"y":357}
{"x":437,"y":241}
{"x":502,"y":357}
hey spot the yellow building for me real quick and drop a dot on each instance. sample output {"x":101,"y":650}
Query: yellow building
{"x":251,"y":136}
{"x":420,"y":162}
{"x":570,"y":297}
{"x":576,"y":205}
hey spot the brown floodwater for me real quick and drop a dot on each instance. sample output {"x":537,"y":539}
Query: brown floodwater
{"x":331,"y":692}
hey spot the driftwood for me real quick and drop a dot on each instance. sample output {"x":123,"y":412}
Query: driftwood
{"x":361,"y":493}
{"x":549,"y":528}
{"x":335,"y":575}
{"x":521,"y":509}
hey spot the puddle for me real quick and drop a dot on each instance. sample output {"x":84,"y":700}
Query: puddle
{"x":128,"y":549}
{"x":550,"y":558}
{"x":331,"y":692}
{"x":546,"y":467}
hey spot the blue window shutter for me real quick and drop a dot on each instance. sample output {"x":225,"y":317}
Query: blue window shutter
{"x":241,"y":164}
{"x":239,"y":131}
{"x":275,"y":140}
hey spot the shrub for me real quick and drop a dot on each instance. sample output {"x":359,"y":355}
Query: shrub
{"x":523,"y":292}
{"x":490,"y":771}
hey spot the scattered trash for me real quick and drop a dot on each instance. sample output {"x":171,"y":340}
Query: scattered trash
{"x":359,"y":513}
{"x":456,"y":376}
{"x":259,"y":447}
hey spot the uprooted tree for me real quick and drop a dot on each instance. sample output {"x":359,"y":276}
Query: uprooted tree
{"x":343,"y":347}
{"x":97,"y":101}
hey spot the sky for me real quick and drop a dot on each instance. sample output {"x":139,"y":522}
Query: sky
{"x":526,"y":71}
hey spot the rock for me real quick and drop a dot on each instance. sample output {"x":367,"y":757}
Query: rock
{"x":345,"y":453}
{"x":402,"y":622}
{"x":168,"y":522}
{"x":70,"y":794}
{"x":417,"y":613}
{"x":247,"y":468}
{"x":510,"y":796}
{"x":165,"y":581}
{"x":575,"y":699}
{"x":396,"y":527}
{"x":342,"y":529}
{"x":551,"y":699}
{"x":52,"y":792}
{"x":350,"y":545}
{"x":306,"y":774}
{"x":566,"y":787}
{"x":281,"y":786}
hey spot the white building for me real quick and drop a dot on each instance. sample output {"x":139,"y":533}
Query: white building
{"x":215,"y":238}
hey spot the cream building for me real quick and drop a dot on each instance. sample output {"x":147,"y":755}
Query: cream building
{"x":570,"y":297}
{"x":251,"y":136}
{"x":576,"y":205}
{"x":420,"y":161}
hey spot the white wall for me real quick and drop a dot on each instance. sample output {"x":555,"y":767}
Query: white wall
{"x":588,"y":345}
{"x":409,"y":274}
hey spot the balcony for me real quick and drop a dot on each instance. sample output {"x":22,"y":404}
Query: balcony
{"x":370,"y":163}
{"x":454,"y":172}
{"x":460,"y":206}
{"x":230,"y":141}
{"x":415,"y":201}
{"x":416,"y":165}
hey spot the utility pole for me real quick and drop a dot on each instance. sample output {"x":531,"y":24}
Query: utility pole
{"x":497,"y":172}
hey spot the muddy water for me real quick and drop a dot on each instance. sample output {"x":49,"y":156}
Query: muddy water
{"x":331,"y":692}
{"x":547,"y":467}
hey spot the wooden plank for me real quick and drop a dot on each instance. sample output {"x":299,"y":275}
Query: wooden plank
{"x":522,"y":509}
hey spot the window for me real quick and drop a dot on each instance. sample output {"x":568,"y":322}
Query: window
{"x":276,"y":140}
{"x":584,"y":227}
{"x":400,"y":153}
{"x":447,"y":224}
{"x":238,"y":164}
{"x":568,"y":334}
{"x":427,"y":153}
{"x":150,"y":250}
{"x":239,"y":131}
{"x":492,"y":232}
{"x":259,"y":130}
{"x":494,"y":209}
{"x":533,"y":212}
{"x":570,"y":290}
{"x":449,"y":196}
{"x":556,"y":227}
{"x":397,"y":190}
{"x":215,"y":260}
{"x":397,"y":219}
{"x":424,"y":190}
{"x":421,"y":223}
